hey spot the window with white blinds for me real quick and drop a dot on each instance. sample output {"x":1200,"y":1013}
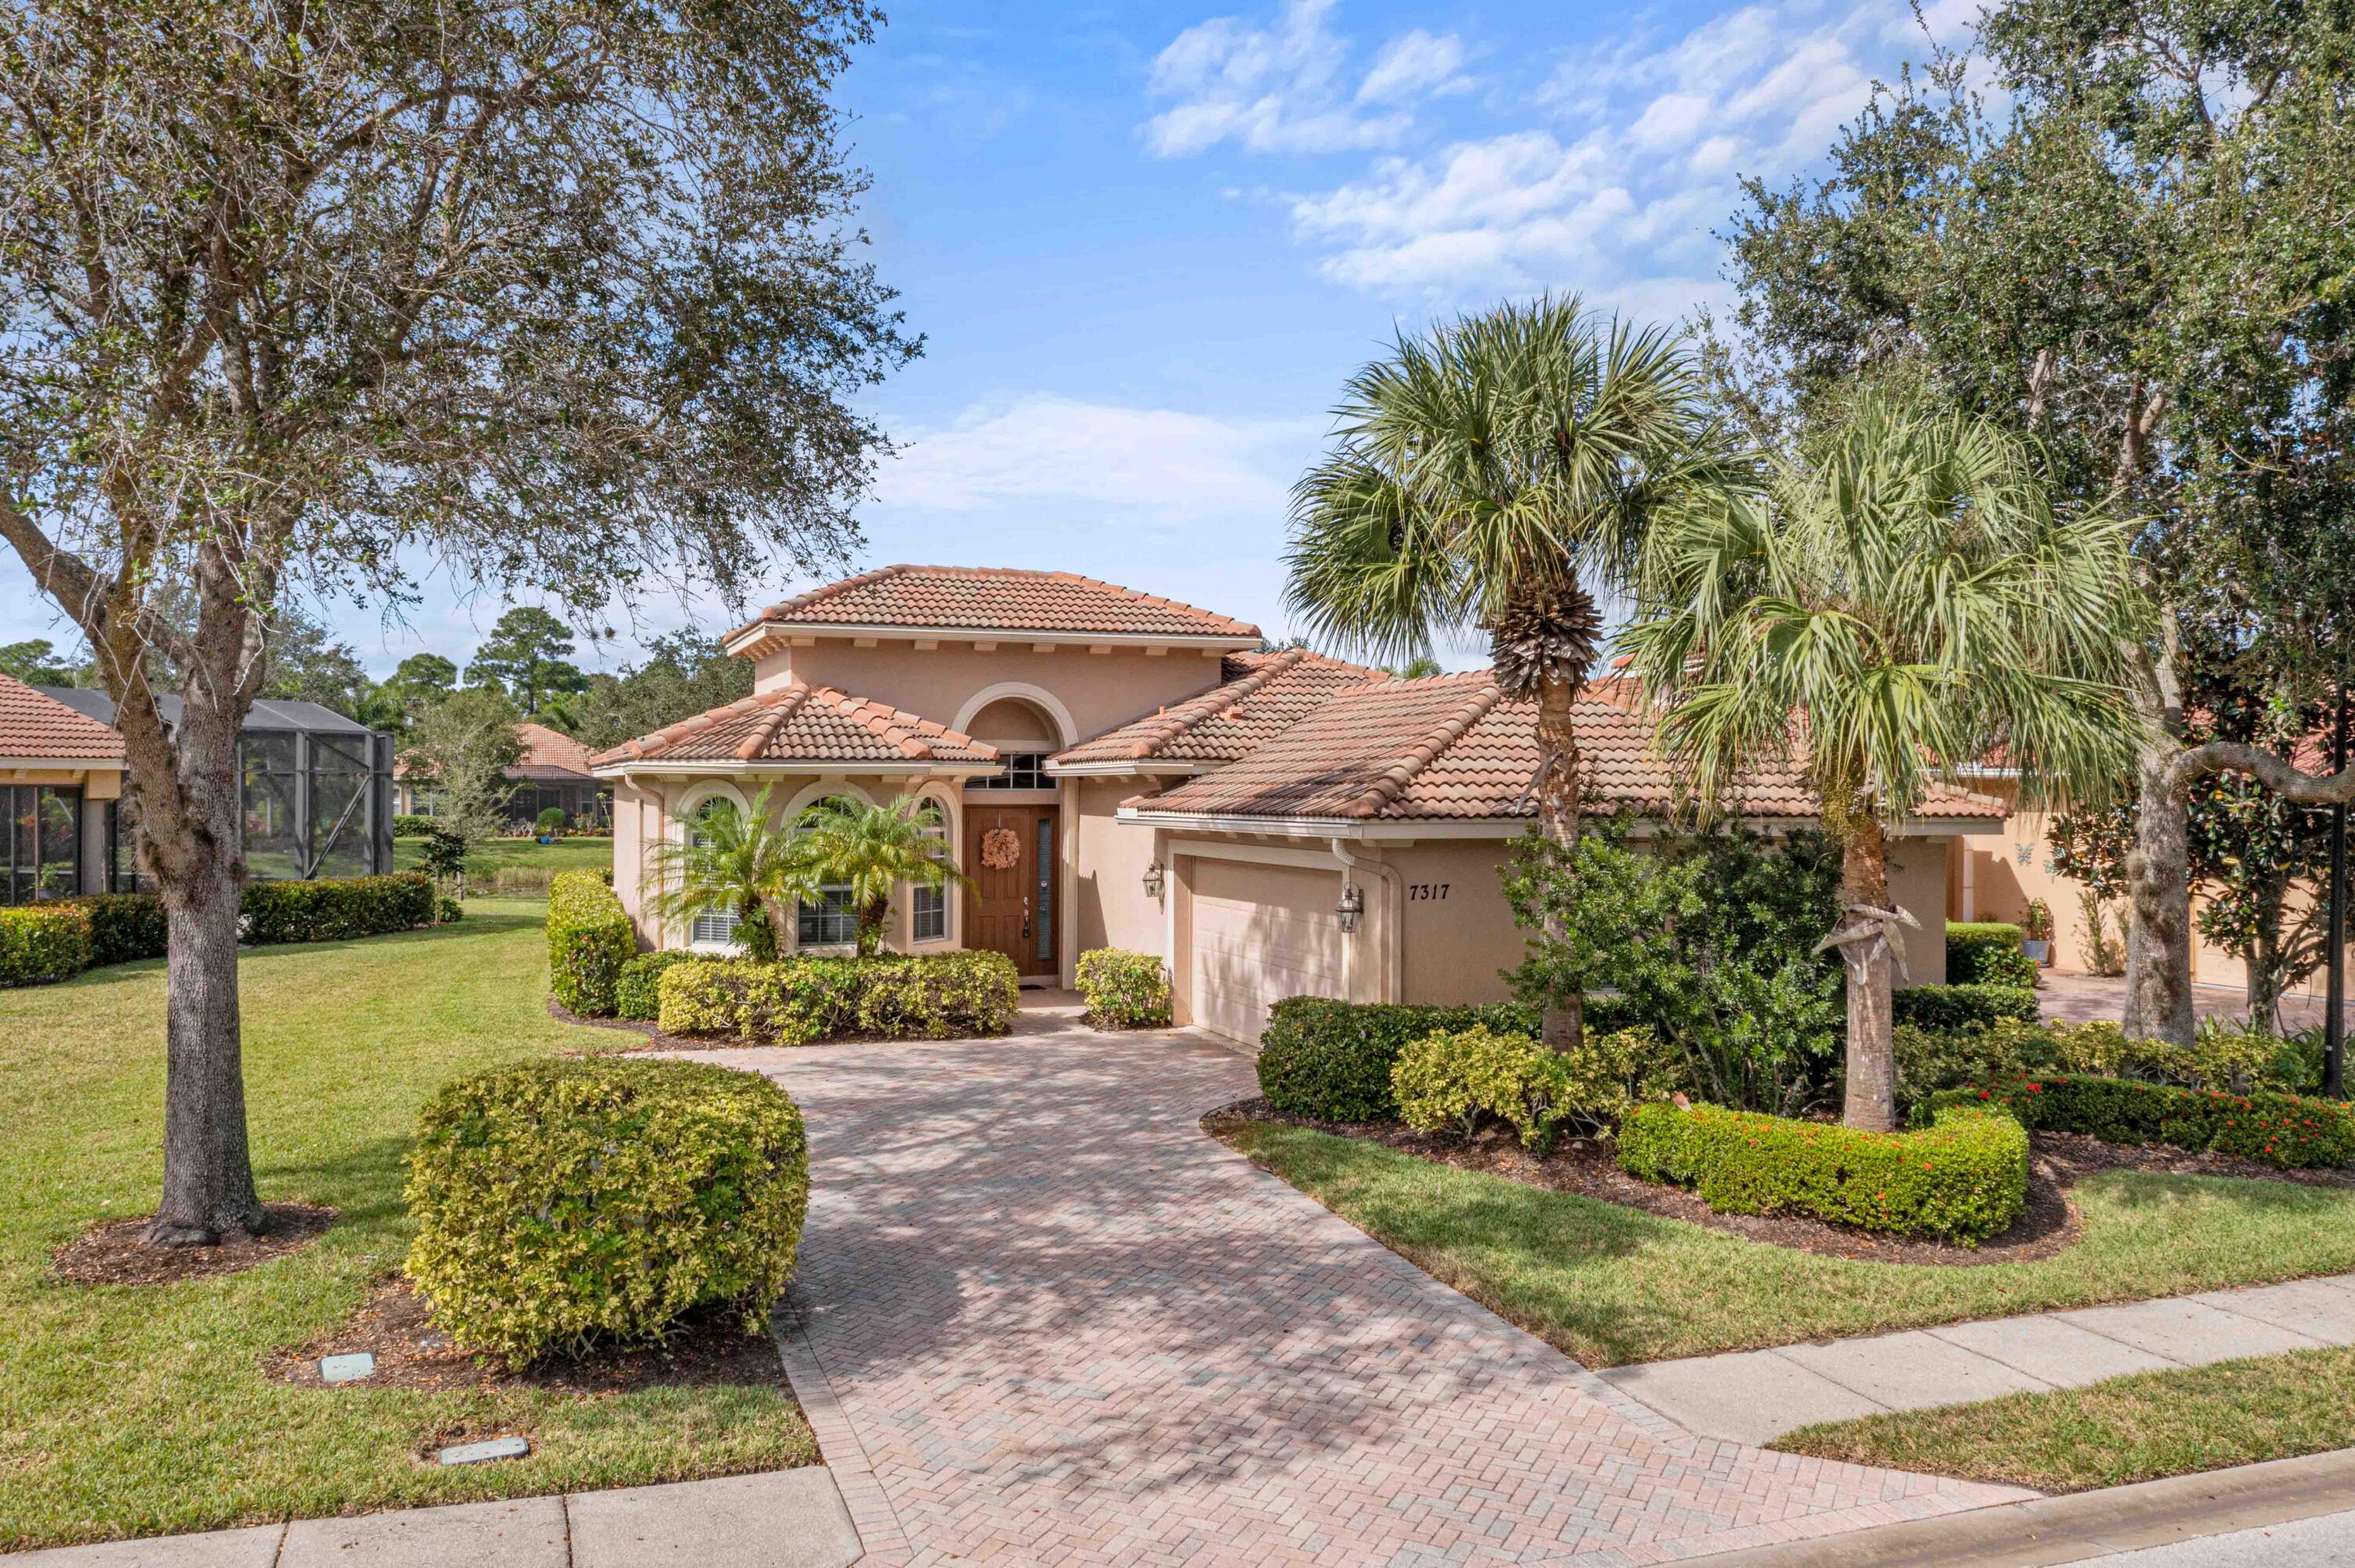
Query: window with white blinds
{"x":929,"y":906}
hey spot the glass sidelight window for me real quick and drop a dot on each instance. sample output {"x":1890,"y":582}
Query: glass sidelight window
{"x":929,"y":906}
{"x":1044,"y":926}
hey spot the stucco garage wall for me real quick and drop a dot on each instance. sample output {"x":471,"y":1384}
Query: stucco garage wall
{"x":1456,"y":944}
{"x":1110,"y":901}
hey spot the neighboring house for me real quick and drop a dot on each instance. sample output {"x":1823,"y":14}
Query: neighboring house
{"x":317,"y":792}
{"x":1119,"y":769}
{"x":60,"y":776}
{"x":552,"y":771}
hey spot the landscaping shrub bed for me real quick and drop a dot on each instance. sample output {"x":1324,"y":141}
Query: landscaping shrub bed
{"x":565,"y":1202}
{"x":1962,"y":1178}
{"x":43,"y":942}
{"x":1331,"y":1061}
{"x":1455,"y":1080}
{"x":1987,"y":952}
{"x":335,"y":909}
{"x":1973,"y":1006}
{"x":589,"y":939}
{"x":637,"y":990}
{"x":1124,"y":989}
{"x":2291,"y":1131}
{"x":798,"y":1001}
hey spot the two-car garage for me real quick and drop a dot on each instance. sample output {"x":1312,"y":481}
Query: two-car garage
{"x":1260,"y":933}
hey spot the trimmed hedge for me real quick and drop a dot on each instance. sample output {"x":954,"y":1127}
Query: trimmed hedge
{"x":799,"y":1001}
{"x":637,"y":990}
{"x":589,"y":939}
{"x":1961,"y":1179}
{"x":41,"y":943}
{"x":1330,"y":1061}
{"x":564,"y":1202}
{"x":409,"y":825}
{"x":1947,"y":1008}
{"x":1124,"y":989}
{"x":2292,"y":1131}
{"x":125,"y":926}
{"x":1986,"y":952}
{"x":336,"y":909}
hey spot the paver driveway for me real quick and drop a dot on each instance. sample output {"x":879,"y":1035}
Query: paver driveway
{"x":1060,"y":1324}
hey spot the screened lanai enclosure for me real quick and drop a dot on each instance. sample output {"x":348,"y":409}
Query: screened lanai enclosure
{"x":317,"y":792}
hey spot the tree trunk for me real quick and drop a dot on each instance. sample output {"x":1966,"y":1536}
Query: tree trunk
{"x":208,"y":1171}
{"x":1564,"y":1024}
{"x":871,"y":917}
{"x":2159,"y":910}
{"x":1872,"y":1097}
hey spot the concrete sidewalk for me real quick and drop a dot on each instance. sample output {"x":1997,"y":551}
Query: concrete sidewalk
{"x":1755,"y":1397}
{"x":783,"y":1519}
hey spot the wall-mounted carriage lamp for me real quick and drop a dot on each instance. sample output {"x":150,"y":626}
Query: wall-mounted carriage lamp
{"x":1153,"y":880}
{"x":1351,"y":907}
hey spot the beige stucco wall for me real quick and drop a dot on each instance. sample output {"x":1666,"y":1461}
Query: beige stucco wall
{"x":1097,"y":691}
{"x":649,"y":810}
{"x":1459,"y":929}
{"x":1109,"y":900}
{"x":1917,"y":881}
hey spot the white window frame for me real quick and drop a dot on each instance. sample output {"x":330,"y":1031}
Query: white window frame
{"x":824,"y":791}
{"x":948,"y":841}
{"x":728,"y":947}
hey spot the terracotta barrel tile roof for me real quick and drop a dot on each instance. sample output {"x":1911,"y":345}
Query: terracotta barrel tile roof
{"x":549,"y":754}
{"x":802,"y":724}
{"x":34,"y":726}
{"x":995,"y":599}
{"x":1260,"y":696}
{"x":1450,"y":748}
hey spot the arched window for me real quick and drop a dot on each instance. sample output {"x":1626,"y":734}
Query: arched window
{"x":830,"y":920}
{"x":713,"y":927}
{"x":929,"y":906}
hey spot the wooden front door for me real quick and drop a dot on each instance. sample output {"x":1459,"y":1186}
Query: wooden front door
{"x":1009,"y":853}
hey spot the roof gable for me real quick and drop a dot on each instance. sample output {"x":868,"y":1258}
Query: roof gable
{"x":800,"y":723}
{"x":36,"y":728}
{"x":995,"y":598}
{"x":1259,"y":697}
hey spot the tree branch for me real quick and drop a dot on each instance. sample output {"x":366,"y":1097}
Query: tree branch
{"x":2292,"y":784}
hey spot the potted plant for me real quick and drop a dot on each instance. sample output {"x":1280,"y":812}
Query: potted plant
{"x":2036,"y":932}
{"x":551,"y":823}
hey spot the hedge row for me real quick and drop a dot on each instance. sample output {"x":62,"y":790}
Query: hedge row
{"x":1962,"y":1179}
{"x":1124,"y":989}
{"x":1986,"y":952}
{"x":637,"y":990}
{"x":2292,"y":1131}
{"x":118,"y":928}
{"x":561,"y":1202}
{"x":1948,"y":1008}
{"x":797,"y":1001}
{"x":589,"y":939}
{"x":1331,"y":1061}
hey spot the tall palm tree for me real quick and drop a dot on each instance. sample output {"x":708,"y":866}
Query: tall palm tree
{"x":1488,"y":477}
{"x":732,"y":860}
{"x":870,"y":850}
{"x":1897,"y":602}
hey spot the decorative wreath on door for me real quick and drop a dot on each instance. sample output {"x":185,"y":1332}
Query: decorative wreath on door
{"x":1001,"y":849}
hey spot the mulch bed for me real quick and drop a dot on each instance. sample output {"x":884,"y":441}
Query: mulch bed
{"x":2048,"y":1226}
{"x":113,"y":1253}
{"x":397,"y":1326}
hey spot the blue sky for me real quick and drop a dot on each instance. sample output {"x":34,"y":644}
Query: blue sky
{"x":1146,"y":242}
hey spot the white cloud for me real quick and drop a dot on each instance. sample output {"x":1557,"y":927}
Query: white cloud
{"x":1160,"y":464}
{"x":1282,"y":87}
{"x":1414,"y":65}
{"x":1618,"y":203}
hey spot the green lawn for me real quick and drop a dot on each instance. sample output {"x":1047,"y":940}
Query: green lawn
{"x":564,"y":855}
{"x":133,"y":1410}
{"x":2128,"y":1429}
{"x":1610,"y":1285}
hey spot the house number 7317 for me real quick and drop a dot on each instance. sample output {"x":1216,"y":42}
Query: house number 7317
{"x":1426,"y":890}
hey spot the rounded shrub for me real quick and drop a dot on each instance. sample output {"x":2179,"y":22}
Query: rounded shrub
{"x":1124,"y":989}
{"x":1987,"y":952}
{"x":637,"y":990}
{"x":589,"y":939}
{"x":561,"y":1202}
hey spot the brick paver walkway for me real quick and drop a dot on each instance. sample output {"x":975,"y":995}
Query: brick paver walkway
{"x":1057,"y":1324}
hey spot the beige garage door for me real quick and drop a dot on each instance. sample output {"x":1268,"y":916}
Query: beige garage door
{"x":1260,"y":933}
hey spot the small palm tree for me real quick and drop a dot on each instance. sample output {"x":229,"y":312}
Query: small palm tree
{"x":1891,"y":608}
{"x":738,"y":861}
{"x":1487,"y":477}
{"x":870,"y":850}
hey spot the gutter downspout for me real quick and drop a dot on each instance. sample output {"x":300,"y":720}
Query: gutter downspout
{"x":1393,"y":959}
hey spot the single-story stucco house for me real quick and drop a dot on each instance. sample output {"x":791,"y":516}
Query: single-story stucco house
{"x":60,"y":778}
{"x":552,"y":771}
{"x":1120,"y":770}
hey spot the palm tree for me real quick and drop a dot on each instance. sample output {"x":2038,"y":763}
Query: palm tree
{"x":1488,"y":477}
{"x":870,"y":850}
{"x":738,"y":861}
{"x":1895,"y":604}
